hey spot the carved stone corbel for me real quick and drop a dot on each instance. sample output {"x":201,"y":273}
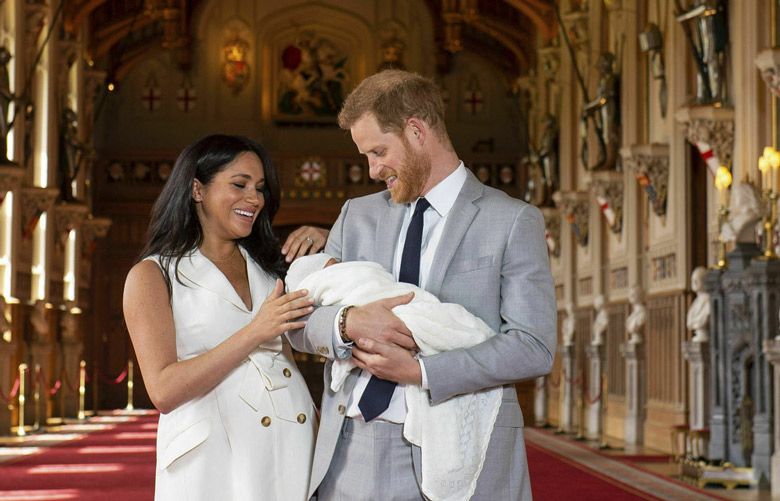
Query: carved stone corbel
{"x":35,"y":201}
{"x":711,"y":130}
{"x":650,"y":163}
{"x":607,"y":186}
{"x":93,"y":228}
{"x":574,"y":205}
{"x":11,"y":176}
{"x":768,"y":62}
{"x":552,"y":230}
{"x":68,"y":216}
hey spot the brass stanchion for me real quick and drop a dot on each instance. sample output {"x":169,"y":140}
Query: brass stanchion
{"x":82,"y":389}
{"x":37,"y":396}
{"x":20,"y":431}
{"x":129,"y":406}
{"x":95,"y":390}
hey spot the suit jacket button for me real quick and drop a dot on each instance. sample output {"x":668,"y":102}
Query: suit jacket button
{"x":287,"y":372}
{"x":265,"y":421}
{"x":301,"y":418}
{"x":342,"y":409}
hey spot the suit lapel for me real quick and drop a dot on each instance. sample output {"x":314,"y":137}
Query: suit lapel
{"x":203,"y":273}
{"x":458,"y":222}
{"x":387,"y":229}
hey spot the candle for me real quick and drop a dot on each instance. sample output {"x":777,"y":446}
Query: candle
{"x":722,"y":183}
{"x":763,"y":166}
{"x":774,"y":161}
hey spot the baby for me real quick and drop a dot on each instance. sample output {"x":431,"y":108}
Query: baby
{"x":453,"y":436}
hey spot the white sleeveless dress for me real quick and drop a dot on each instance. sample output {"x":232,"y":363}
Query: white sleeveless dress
{"x":252,"y":436}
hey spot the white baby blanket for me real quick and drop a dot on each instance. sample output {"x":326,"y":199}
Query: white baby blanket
{"x":453,"y":435}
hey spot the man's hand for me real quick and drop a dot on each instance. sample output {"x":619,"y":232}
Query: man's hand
{"x":376,"y":321}
{"x":387,"y":361}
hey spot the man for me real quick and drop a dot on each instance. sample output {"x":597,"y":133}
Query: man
{"x":465,"y":243}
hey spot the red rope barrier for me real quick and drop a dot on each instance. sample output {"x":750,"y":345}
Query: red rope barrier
{"x":68,"y":383}
{"x":594,"y":400}
{"x":121,"y":377}
{"x":12,"y":394}
{"x":51,"y":390}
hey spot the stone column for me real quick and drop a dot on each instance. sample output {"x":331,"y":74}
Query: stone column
{"x":72,"y":349}
{"x":697,"y":353}
{"x":593,"y":396}
{"x":567,"y":383}
{"x":635,"y":383}
{"x":7,"y":377}
{"x":540,"y":401}
{"x":772,"y":353}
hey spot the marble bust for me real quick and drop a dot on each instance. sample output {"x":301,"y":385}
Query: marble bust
{"x":567,"y":325}
{"x":638,"y":316}
{"x":600,"y":322}
{"x":698,"y":317}
{"x":744,"y":213}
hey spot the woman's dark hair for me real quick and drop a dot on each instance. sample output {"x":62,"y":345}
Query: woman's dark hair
{"x":175,"y":230}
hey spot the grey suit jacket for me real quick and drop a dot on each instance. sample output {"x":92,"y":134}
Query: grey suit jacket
{"x":492,"y":259}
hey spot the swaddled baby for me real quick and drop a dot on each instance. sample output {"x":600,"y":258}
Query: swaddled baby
{"x":453,"y":435}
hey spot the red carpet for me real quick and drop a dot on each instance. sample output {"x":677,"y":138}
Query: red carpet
{"x":554,"y":477}
{"x":115,"y":464}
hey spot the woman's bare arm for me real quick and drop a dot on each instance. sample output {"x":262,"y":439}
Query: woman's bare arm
{"x":149,"y":320}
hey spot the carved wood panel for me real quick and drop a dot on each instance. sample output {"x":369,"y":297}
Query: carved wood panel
{"x":664,"y":334}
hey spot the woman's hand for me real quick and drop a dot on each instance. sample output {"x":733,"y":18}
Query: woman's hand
{"x":305,"y":240}
{"x":279,"y":312}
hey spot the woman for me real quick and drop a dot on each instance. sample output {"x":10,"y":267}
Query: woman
{"x":205,"y":309}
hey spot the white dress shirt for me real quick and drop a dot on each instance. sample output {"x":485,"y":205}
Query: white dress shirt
{"x":442,"y":198}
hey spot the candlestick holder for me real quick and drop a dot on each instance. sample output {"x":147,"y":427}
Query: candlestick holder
{"x":723,"y":214}
{"x":770,"y":220}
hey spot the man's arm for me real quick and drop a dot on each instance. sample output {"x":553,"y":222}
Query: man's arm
{"x":373,"y":320}
{"x":524,"y":346}
{"x":317,"y":336}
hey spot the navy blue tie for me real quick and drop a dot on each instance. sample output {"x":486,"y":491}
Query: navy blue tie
{"x":378,"y":393}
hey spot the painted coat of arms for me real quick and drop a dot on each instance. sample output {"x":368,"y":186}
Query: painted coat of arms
{"x":313,"y":78}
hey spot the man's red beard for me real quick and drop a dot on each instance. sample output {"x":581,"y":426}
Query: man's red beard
{"x":412,"y":175}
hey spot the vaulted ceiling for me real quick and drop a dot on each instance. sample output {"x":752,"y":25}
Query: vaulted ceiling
{"x":504,"y":32}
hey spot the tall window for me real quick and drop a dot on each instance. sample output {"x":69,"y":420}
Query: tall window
{"x":41,"y":155}
{"x":7,"y":36}
{"x":39,"y":259}
{"x":6,"y":232}
{"x":69,"y":274}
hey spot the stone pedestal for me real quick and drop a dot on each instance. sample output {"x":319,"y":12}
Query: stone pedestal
{"x":567,"y":383}
{"x":593,"y":396}
{"x":745,"y":298}
{"x":697,"y":355}
{"x":71,"y":354}
{"x":633,"y":427}
{"x":540,"y":401}
{"x":772,"y":352}
{"x":7,"y":378}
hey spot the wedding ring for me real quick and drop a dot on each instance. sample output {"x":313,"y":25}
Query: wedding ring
{"x":311,"y":242}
